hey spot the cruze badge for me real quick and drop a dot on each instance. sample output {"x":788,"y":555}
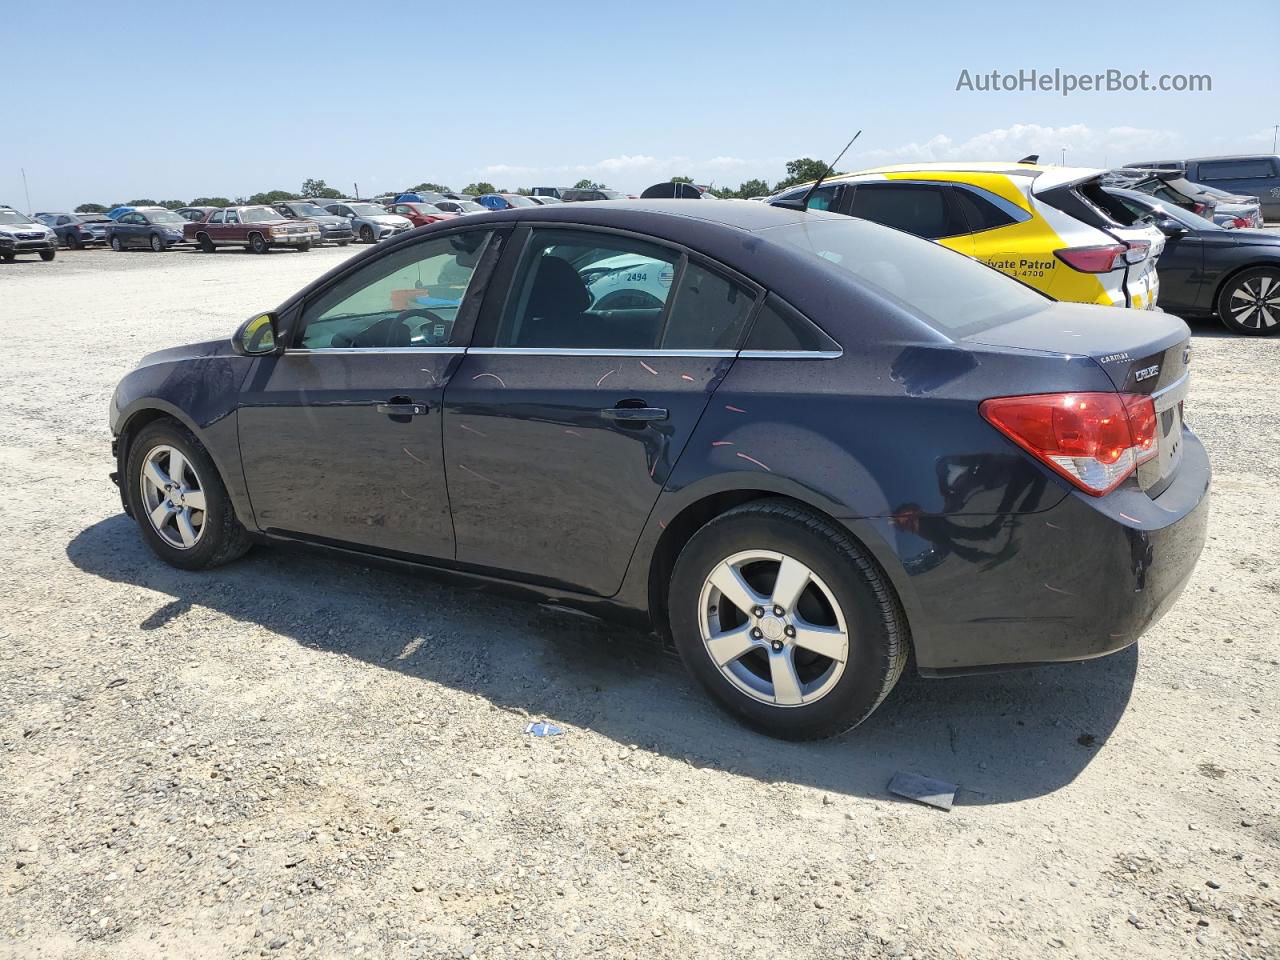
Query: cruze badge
{"x":1146,"y":373}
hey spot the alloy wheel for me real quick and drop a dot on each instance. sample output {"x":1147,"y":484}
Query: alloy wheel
{"x":173,"y":497}
{"x":773,"y":628}
{"x":1255,"y":303}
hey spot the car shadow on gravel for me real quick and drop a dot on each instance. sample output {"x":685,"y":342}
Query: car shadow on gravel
{"x":1001,"y":737}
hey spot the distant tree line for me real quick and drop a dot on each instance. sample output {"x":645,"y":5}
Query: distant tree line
{"x":799,"y":171}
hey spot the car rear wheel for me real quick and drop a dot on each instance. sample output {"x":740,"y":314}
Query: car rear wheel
{"x":304,"y":247}
{"x":8,"y":257}
{"x":179,"y":501}
{"x":116,"y":245}
{"x":786,"y":621}
{"x":73,"y":242}
{"x":205,"y":244}
{"x":1249,"y":302}
{"x":258,"y":243}
{"x":47,"y":255}
{"x":366,"y":234}
{"x":157,"y":242}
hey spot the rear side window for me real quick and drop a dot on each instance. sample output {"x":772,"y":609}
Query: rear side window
{"x":709,"y":312}
{"x":986,"y":212}
{"x":918,"y":208}
{"x":1238,"y":169}
{"x":781,"y":327}
{"x":945,"y":289}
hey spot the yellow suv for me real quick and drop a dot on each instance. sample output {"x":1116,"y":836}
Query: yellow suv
{"x":1053,"y":228}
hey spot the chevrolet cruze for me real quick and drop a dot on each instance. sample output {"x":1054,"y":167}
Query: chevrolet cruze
{"x":800,"y":445}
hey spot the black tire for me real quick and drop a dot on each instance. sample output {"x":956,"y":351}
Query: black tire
{"x":223,"y":538}
{"x":1258,"y":287}
{"x":366,"y":234}
{"x":157,"y":243}
{"x":304,"y":247}
{"x":205,"y":244}
{"x":258,"y":243}
{"x":47,"y":255}
{"x":116,"y":245}
{"x":343,"y":243}
{"x":73,"y":242}
{"x":8,"y":257}
{"x":877,"y":630}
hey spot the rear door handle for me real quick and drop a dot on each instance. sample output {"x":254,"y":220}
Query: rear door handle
{"x":635,"y":414}
{"x":402,"y":409}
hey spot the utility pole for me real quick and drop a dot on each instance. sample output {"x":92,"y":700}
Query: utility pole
{"x":1064,"y":156}
{"x":25,"y":190}
{"x":1274,"y":131}
{"x":357,"y":186}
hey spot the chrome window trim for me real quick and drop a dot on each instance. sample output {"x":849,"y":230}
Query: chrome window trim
{"x":596,"y":352}
{"x":578,"y":352}
{"x":290,"y":351}
{"x":791,"y":354}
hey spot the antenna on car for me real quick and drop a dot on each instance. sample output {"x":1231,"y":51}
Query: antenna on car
{"x":803,"y":202}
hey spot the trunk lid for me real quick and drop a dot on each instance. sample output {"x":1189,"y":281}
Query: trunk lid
{"x":1141,"y":351}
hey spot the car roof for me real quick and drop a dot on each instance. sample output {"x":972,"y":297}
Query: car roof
{"x":1237,"y":156}
{"x":640,"y":213}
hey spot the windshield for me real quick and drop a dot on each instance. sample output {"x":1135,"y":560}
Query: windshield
{"x":13,"y":216}
{"x":612,"y":194}
{"x":163,"y":216}
{"x":1214,"y":191}
{"x":469,"y":206}
{"x":367,"y":210}
{"x":94,"y":218}
{"x":426,"y":208}
{"x":309,"y":210}
{"x":948,"y":290}
{"x":258,"y":215}
{"x":518,"y":201}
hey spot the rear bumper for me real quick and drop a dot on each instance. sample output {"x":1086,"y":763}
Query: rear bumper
{"x":1081,"y":580}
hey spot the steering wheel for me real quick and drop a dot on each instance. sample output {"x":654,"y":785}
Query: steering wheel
{"x":430,"y":316}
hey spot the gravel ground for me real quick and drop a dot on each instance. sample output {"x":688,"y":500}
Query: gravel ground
{"x":299,"y":756}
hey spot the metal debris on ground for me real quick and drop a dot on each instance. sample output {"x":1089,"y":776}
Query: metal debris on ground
{"x":543,"y":729}
{"x":926,"y":790}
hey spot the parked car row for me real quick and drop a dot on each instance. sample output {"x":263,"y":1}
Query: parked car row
{"x":1117,"y":237}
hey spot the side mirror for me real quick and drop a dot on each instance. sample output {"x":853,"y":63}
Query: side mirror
{"x":1169,"y":227}
{"x":257,"y":336}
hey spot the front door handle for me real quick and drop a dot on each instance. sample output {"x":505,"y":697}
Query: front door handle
{"x":635,"y":414}
{"x":402,"y":409}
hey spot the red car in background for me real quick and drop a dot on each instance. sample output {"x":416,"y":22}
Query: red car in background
{"x":256,"y":228}
{"x":420,"y":214}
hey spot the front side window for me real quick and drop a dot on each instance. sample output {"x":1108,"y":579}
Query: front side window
{"x":218,"y":217}
{"x":407,"y":298}
{"x":233,"y":216}
{"x":917,"y":208}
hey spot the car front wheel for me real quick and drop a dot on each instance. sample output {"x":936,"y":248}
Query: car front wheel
{"x":47,"y":255}
{"x":1249,"y":302}
{"x":258,"y":243}
{"x":786,"y":621}
{"x":116,"y":245}
{"x":178,"y":500}
{"x":366,"y":235}
{"x":157,"y":243}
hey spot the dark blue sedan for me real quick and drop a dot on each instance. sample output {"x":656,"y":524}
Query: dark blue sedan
{"x":152,"y":227}
{"x":799,"y":445}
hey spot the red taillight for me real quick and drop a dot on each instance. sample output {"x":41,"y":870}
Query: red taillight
{"x":1095,"y":440}
{"x":1240,"y":223}
{"x":1199,"y":208}
{"x":1100,"y":259}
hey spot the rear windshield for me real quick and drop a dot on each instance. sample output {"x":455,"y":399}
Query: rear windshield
{"x":953,"y":293}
